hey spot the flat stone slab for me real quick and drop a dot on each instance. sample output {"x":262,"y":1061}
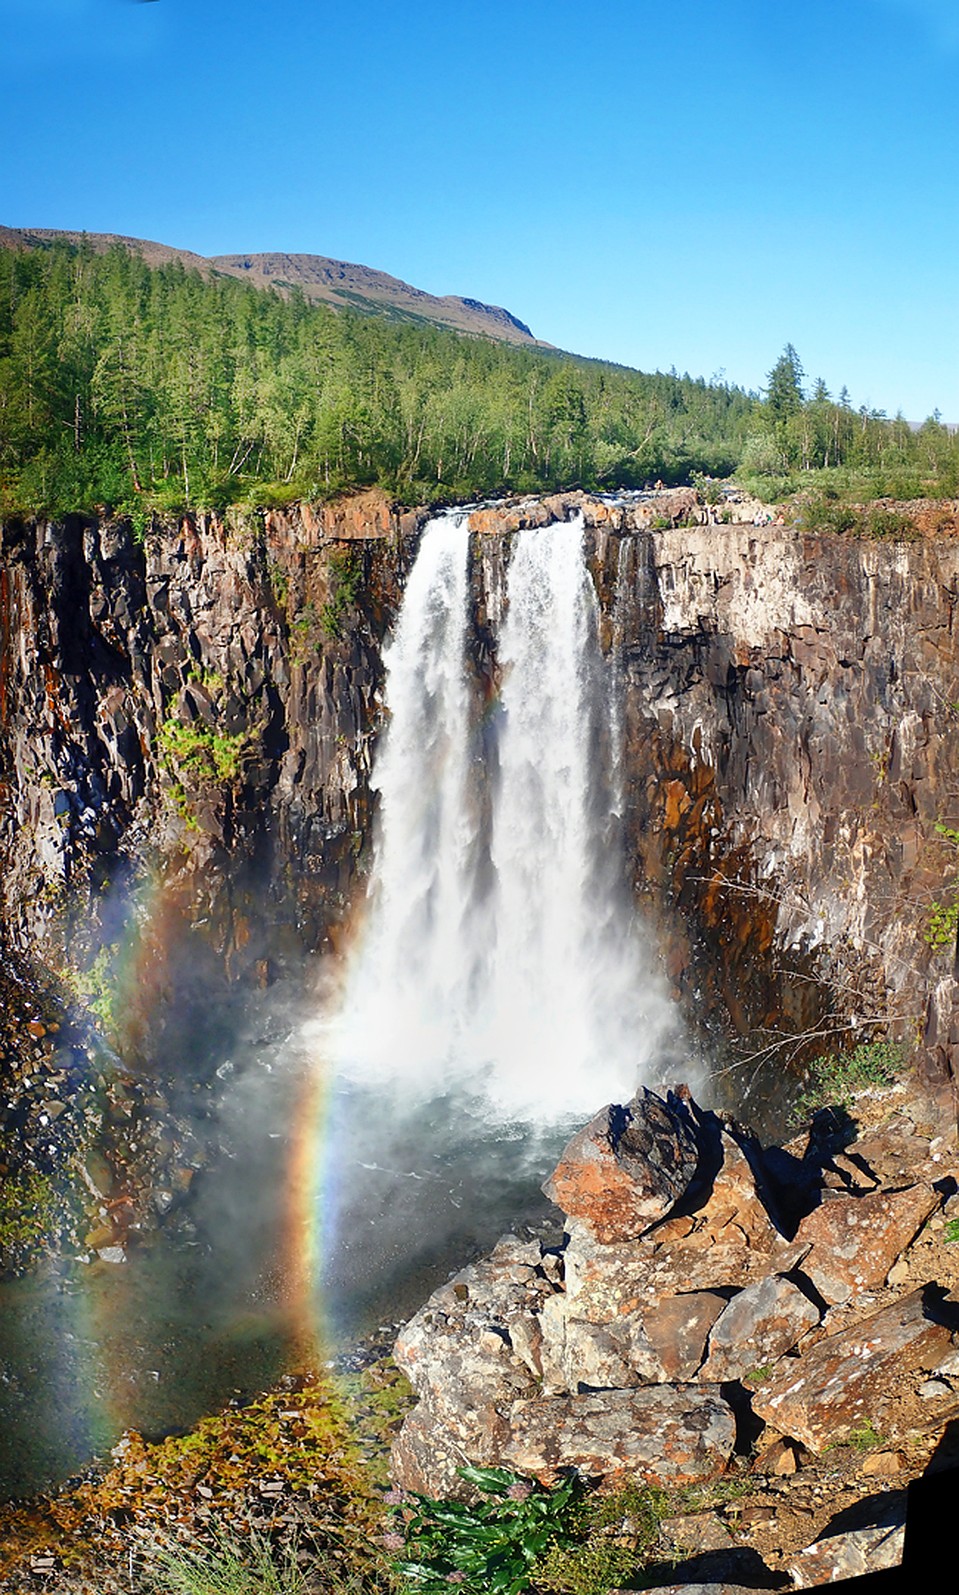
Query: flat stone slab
{"x":852,"y":1555}
{"x":662,"y":1434}
{"x":758,"y":1327}
{"x":854,"y":1240}
{"x":626,"y":1169}
{"x":841,"y":1382}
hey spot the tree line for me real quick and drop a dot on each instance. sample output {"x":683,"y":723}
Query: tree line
{"x":158,"y":388}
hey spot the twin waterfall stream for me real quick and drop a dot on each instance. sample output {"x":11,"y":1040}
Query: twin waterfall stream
{"x":500,"y":958}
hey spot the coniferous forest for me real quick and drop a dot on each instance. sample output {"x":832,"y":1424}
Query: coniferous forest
{"x":155,"y":388}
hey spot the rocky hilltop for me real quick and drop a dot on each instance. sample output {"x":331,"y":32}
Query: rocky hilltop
{"x":333,"y":282}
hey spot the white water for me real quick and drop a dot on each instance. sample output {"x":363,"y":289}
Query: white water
{"x":500,"y":958}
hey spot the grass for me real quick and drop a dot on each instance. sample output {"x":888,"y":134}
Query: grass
{"x":863,"y":1436}
{"x":28,"y":1214}
{"x":251,"y":1566}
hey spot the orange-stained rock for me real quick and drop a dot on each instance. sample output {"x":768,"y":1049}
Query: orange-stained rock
{"x":842,"y":1381}
{"x":854,"y":1240}
{"x":627,"y":1168}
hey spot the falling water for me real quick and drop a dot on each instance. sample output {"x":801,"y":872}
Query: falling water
{"x":501,"y":958}
{"x":412,"y":977}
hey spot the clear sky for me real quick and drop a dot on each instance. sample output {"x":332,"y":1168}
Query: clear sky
{"x":692,"y":184}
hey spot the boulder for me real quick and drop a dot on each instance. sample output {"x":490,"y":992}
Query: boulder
{"x":854,"y":1240}
{"x":843,"y":1381}
{"x":627,"y":1168}
{"x":662,"y":1434}
{"x":852,"y":1555}
{"x":759,"y":1326}
{"x":662,"y":1344}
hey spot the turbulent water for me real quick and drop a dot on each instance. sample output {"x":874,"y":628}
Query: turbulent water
{"x":500,"y":958}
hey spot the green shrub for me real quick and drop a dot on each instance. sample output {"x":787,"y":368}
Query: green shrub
{"x":836,"y":1079}
{"x":486,"y":1548}
{"x":198,"y":754}
{"x":346,"y":577}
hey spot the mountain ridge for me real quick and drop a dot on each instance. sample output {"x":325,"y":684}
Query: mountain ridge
{"x":342,"y":284}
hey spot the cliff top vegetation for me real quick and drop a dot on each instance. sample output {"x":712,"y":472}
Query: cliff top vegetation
{"x":157,"y":388}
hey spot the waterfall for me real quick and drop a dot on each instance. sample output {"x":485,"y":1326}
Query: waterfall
{"x":409,"y":985}
{"x":501,"y":960}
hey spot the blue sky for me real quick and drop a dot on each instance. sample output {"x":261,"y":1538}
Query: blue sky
{"x":693,"y":185}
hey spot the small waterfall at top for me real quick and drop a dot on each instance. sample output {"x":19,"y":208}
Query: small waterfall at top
{"x":500,"y":961}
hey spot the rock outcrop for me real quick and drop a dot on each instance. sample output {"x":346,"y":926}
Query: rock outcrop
{"x":200,"y":701}
{"x":659,"y":1350}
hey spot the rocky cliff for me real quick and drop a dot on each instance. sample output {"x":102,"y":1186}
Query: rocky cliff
{"x":198,"y":704}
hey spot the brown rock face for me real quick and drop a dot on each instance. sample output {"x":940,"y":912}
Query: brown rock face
{"x":626,"y":1169}
{"x":843,"y":1380}
{"x":854,"y":1240}
{"x":759,"y":1326}
{"x":664,"y":1433}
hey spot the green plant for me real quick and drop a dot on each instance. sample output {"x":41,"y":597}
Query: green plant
{"x":709,"y":490}
{"x":346,"y":574}
{"x":279,"y":582}
{"x":27,"y":1213}
{"x":198,"y":754}
{"x":589,"y":1569}
{"x":942,"y":921}
{"x":896,"y":525}
{"x":863,"y":1436}
{"x":835,"y":1079}
{"x":96,"y":986}
{"x":951,"y":1231}
{"x":942,"y":925}
{"x":617,"y":1532}
{"x":488,"y":1547}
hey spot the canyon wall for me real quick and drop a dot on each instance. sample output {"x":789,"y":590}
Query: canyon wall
{"x":196,"y":709}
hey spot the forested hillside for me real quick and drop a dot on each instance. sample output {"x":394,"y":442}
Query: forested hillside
{"x":154,"y":387}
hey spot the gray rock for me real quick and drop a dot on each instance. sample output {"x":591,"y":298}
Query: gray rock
{"x":662,"y":1434}
{"x":848,"y":1556}
{"x":759,"y":1326}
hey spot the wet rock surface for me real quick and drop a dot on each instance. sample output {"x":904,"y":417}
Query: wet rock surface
{"x":684,"y":1355}
{"x":93,"y":1160}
